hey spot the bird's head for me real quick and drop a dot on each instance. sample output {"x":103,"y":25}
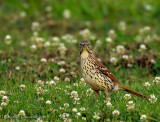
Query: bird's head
{"x":85,"y":46}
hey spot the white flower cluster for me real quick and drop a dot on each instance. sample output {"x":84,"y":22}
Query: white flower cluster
{"x":21,"y":113}
{"x":89,"y":92}
{"x":156,"y":80}
{"x":96,"y":116}
{"x":127,"y":96}
{"x":113,"y":60}
{"x":152,"y":98}
{"x":147,"y":85}
{"x":8,"y":39}
{"x":116,"y":112}
{"x":5,"y":100}
{"x":85,"y":33}
{"x":130,"y":105}
{"x":120,"y":49}
{"x":22,"y":87}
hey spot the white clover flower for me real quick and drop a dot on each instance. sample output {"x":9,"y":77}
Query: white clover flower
{"x":55,"y":40}
{"x":17,"y":68}
{"x":56,"y":78}
{"x":67,"y":79}
{"x":152,"y":98}
{"x":67,"y":120}
{"x":130,"y":105}
{"x":74,"y":110}
{"x":48,"y":8}
{"x":138,"y":38}
{"x":43,"y":60}
{"x":125,"y":57}
{"x":5,"y":99}
{"x":143,"y":117}
{"x":66,"y":104}
{"x":113,"y":60}
{"x":2,"y":93}
{"x":112,"y":34}
{"x":22,"y":87}
{"x":16,"y":101}
{"x":33,"y":47}
{"x":67,"y":37}
{"x":22,"y":14}
{"x":77,"y":99}
{"x":3,"y":104}
{"x":153,"y":61}
{"x":89,"y":92}
{"x":78,"y":114}
{"x":84,"y":118}
{"x":51,"y":60}
{"x":68,"y":87}
{"x":127,"y":96}
{"x":82,"y":79}
{"x":35,"y":26}
{"x":109,"y":104}
{"x":82,"y":109}
{"x":122,"y":26}
{"x":62,"y":70}
{"x":120,"y":49}
{"x":6,"y":116}
{"x":148,"y":7}
{"x":85,"y":33}
{"x":62,"y":49}
{"x":8,"y":39}
{"x":156,"y":80}
{"x":98,"y":43}
{"x":129,"y":65}
{"x":21,"y":113}
{"x":75,"y":84}
{"x":39,"y":41}
{"x":65,"y":115}
{"x":147,"y":39}
{"x":55,"y":110}
{"x":147,"y":84}
{"x":61,"y":63}
{"x":47,"y":44}
{"x":73,"y":41}
{"x":116,"y":112}
{"x":52,"y":83}
{"x":66,"y":14}
{"x":41,"y":83}
{"x":76,"y":102}
{"x":74,"y":94}
{"x":39,"y":91}
{"x":61,"y":108}
{"x":96,"y":116}
{"x":142,"y":48}
{"x":108,"y":39}
{"x":39,"y":120}
{"x":48,"y":102}
{"x":146,"y":29}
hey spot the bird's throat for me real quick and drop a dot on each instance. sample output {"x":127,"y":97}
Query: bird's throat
{"x":84,"y":54}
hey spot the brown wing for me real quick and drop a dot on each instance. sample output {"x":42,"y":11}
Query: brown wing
{"x":105,"y":70}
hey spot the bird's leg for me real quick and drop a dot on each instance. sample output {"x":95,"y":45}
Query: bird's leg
{"x":97,"y":93}
{"x":107,"y":96}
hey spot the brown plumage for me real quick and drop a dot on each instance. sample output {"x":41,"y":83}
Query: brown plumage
{"x":97,"y":76}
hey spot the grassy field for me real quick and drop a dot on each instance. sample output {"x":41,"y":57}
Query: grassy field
{"x":40,"y":75}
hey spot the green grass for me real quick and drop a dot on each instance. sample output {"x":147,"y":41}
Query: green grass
{"x":102,"y":16}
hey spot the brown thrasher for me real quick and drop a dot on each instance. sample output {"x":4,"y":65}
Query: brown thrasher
{"x":96,"y":75}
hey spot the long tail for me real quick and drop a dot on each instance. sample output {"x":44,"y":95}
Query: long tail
{"x":133,"y":92}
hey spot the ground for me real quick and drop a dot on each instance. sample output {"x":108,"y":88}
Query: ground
{"x":40,"y":76}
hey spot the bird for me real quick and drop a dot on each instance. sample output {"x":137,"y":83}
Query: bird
{"x":98,"y":76}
